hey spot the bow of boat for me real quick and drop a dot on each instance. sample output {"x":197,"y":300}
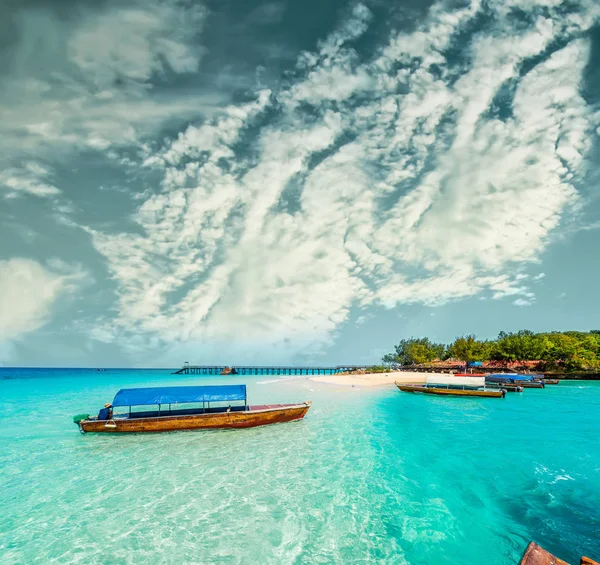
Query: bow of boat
{"x":536,"y":555}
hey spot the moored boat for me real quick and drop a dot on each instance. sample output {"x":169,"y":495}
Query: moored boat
{"x":532,"y":384}
{"x":505,"y":384}
{"x":524,"y":381}
{"x":204,"y":407}
{"x":444,"y":385}
{"x":551,"y":381}
{"x":536,"y":555}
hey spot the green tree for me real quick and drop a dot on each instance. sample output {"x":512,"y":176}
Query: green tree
{"x":419,"y":353}
{"x":572,"y":350}
{"x":469,"y":349}
{"x":415,"y":351}
{"x":521,"y":346}
{"x":389,"y":359}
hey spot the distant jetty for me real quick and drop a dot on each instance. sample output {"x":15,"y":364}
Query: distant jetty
{"x":188,"y":369}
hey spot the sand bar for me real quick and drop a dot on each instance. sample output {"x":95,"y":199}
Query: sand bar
{"x":374,"y":379}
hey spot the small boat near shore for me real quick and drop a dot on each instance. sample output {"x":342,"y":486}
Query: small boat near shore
{"x":513,"y":379}
{"x":186,"y":408}
{"x":441,"y":391}
{"x":532,"y":384}
{"x":444,"y":385}
{"x":536,"y":555}
{"x":551,"y":381}
{"x":506,"y":384}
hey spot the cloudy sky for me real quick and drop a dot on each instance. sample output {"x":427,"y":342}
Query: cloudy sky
{"x":293,"y":181}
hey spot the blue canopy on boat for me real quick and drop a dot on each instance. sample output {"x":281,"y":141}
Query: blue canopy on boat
{"x":512,"y":376}
{"x":178,"y":395}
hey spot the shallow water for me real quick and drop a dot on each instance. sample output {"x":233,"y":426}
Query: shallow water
{"x":370,"y":476}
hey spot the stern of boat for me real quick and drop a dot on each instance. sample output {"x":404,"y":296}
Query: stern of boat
{"x":78,"y":419}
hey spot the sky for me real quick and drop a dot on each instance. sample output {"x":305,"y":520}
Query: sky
{"x":293,"y":181}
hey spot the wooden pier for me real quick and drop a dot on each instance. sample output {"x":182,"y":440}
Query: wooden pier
{"x":188,"y":369}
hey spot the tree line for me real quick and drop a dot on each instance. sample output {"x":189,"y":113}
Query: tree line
{"x":569,"y":351}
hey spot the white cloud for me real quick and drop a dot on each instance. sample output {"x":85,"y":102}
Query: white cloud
{"x":30,"y":179}
{"x":500,"y":188}
{"x":333,"y":74}
{"x":138,"y":43}
{"x":89,"y":83}
{"x":28,"y":290}
{"x":419,"y":190}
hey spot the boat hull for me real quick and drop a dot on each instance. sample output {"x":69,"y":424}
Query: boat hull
{"x":450,"y":391}
{"x":551,"y":381}
{"x":536,"y":555}
{"x":513,"y":385}
{"x":508,"y":387}
{"x":256,"y":416}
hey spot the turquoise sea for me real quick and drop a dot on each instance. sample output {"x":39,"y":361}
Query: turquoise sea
{"x":370,"y":476}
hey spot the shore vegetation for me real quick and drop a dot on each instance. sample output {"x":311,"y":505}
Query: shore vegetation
{"x":560,"y":351}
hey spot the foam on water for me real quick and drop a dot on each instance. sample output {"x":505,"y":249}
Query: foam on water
{"x":373,"y":477}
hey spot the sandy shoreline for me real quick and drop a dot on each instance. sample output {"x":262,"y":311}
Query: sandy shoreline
{"x":374,"y":379}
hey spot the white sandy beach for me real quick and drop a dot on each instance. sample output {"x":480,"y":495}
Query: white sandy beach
{"x":374,"y":379}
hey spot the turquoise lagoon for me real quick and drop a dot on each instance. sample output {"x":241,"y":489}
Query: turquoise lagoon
{"x":370,"y":476}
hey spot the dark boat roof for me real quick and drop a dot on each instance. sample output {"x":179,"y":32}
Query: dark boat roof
{"x":512,"y":376}
{"x":178,"y":395}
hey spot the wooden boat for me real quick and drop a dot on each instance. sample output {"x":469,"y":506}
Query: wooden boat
{"x":551,"y":381}
{"x":536,"y":555}
{"x":450,"y":385}
{"x":513,"y":379}
{"x":171,"y":416}
{"x":531,"y":384}
{"x":509,"y":386}
{"x":428,"y":389}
